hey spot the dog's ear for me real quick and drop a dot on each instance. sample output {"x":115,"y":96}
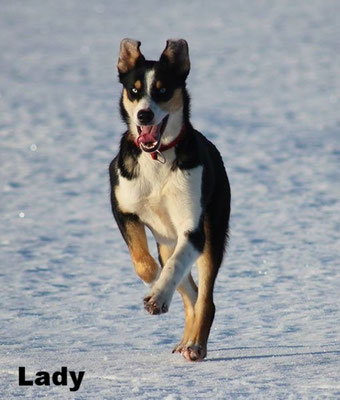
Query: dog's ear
{"x":129,"y":55}
{"x":176,"y":55}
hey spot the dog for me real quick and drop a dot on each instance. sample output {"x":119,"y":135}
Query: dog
{"x":169,"y":178}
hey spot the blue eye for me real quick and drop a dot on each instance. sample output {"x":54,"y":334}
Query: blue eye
{"x":162,"y":90}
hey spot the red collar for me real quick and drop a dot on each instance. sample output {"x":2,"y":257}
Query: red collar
{"x":164,"y":147}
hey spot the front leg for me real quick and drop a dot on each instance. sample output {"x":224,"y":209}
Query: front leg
{"x":177,"y":267}
{"x":133,"y":231}
{"x":184,"y":205}
{"x":145,"y":265}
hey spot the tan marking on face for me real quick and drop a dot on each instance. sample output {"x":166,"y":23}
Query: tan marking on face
{"x":138,"y":84}
{"x":174,"y":104}
{"x":128,"y":104}
{"x":145,"y":265}
{"x":159,"y":84}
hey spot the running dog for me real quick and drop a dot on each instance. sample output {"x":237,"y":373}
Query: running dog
{"x":169,"y":178}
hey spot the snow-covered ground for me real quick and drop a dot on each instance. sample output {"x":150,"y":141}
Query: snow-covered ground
{"x":265,"y":86}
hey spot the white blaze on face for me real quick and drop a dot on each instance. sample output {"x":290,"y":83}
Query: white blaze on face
{"x":150,"y":81}
{"x":147,"y":103}
{"x":173,"y":108}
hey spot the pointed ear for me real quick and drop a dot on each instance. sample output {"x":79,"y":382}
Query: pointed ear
{"x":176,"y":55}
{"x":129,"y":54}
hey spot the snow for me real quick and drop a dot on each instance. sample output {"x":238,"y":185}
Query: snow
{"x":265,"y":88}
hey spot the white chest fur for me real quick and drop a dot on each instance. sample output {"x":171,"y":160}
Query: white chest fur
{"x":167,"y":201}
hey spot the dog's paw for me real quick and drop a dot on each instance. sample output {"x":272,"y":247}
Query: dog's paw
{"x":194,"y":352}
{"x":155,"y":305}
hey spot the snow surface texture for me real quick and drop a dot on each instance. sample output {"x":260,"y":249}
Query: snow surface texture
{"x":265,"y":89}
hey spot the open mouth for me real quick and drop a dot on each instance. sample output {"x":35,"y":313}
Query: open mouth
{"x":149,"y":138}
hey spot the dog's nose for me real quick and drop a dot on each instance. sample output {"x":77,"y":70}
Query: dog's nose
{"x":145,"y":116}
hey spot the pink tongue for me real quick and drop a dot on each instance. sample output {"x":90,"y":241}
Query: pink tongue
{"x":149,"y":134}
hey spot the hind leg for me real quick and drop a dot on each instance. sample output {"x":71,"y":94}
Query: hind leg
{"x":188,"y":291}
{"x":196,"y":346}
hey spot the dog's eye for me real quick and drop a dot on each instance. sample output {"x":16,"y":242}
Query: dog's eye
{"x":162,"y":90}
{"x":134,"y":90}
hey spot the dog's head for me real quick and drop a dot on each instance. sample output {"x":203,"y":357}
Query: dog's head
{"x":154,"y":96}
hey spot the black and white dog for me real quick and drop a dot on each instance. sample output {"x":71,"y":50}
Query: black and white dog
{"x":169,"y":178}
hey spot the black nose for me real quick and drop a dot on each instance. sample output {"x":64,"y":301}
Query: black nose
{"x":145,"y":116}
